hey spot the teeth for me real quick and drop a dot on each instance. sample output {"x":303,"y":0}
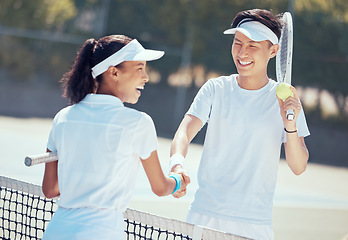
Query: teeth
{"x":141,"y":88}
{"x":244,"y":63}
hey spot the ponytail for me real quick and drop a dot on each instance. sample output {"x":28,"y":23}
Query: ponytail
{"x":78,"y":82}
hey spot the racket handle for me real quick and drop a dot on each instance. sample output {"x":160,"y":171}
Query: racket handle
{"x":41,"y":158}
{"x":290,"y":115}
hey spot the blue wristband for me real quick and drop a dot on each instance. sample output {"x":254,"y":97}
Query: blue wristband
{"x":177,"y":180}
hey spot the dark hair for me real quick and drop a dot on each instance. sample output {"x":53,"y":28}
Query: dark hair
{"x":78,"y":82}
{"x":263,"y":16}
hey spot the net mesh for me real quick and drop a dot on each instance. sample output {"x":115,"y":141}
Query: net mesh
{"x":25,"y":213}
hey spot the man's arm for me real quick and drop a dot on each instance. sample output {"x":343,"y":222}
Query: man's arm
{"x":188,"y":129}
{"x":296,"y":152}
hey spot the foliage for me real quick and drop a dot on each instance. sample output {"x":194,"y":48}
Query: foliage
{"x":27,"y":58}
{"x":321,"y":33}
{"x":320,"y":54}
{"x":39,"y":14}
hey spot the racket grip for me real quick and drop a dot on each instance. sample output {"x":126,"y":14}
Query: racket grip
{"x":290,"y":115}
{"x":41,"y":158}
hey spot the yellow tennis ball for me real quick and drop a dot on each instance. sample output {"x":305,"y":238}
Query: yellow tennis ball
{"x":283,"y":91}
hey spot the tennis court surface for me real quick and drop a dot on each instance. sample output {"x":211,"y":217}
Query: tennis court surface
{"x":311,"y":206}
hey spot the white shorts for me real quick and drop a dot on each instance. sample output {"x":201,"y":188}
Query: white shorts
{"x":253,"y":231}
{"x":85,"y":224}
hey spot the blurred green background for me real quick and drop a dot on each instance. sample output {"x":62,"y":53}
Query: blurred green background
{"x":39,"y":40}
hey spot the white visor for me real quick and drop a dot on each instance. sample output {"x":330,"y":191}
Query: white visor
{"x":133,"y":51}
{"x":254,"y":30}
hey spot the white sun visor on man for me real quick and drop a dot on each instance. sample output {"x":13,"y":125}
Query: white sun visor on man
{"x":254,"y":30}
{"x":133,"y":51}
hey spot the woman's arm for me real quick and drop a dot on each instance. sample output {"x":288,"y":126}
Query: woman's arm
{"x":50,"y":186}
{"x":161,"y":185}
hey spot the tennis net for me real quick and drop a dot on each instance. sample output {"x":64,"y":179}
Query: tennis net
{"x":25,"y":213}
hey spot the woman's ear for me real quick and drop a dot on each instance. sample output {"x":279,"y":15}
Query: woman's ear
{"x":274,"y":50}
{"x":112,"y":71}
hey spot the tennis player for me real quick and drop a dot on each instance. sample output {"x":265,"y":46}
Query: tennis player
{"x":246,"y":128}
{"x":100,"y":142}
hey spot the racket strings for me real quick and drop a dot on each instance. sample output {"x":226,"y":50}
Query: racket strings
{"x":284,"y":53}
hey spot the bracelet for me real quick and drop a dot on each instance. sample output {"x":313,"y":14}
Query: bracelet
{"x":289,"y":131}
{"x":177,"y":179}
{"x":176,"y":159}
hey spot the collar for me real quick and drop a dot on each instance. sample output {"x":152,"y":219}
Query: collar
{"x":102,"y":99}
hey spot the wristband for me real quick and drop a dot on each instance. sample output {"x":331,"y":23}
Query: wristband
{"x":176,"y":159}
{"x":289,"y":131}
{"x":177,"y":179}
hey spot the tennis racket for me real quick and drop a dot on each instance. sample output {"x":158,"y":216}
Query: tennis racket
{"x":41,"y":158}
{"x":284,"y":56}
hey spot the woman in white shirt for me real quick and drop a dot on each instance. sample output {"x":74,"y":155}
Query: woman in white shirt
{"x":100,"y":142}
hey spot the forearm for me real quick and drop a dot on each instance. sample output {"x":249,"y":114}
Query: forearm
{"x":296,"y":153}
{"x":166,"y":186}
{"x":187,"y":130}
{"x":180,"y":143}
{"x":161,"y":185}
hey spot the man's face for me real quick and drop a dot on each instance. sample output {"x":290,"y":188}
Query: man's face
{"x":250,"y":57}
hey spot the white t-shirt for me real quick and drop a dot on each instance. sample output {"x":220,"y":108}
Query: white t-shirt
{"x":238,"y":169}
{"x":99,"y":144}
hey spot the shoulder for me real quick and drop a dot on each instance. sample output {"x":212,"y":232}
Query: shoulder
{"x":273,"y":82}
{"x":221,"y":82}
{"x":273,"y":85}
{"x":146,"y":119}
{"x":136,"y":116}
{"x":144,"y":127}
{"x":63,"y":113}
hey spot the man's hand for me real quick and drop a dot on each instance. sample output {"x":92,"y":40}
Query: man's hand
{"x":290,"y":103}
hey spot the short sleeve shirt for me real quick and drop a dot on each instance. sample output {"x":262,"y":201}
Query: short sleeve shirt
{"x":99,"y":143}
{"x":239,"y":164}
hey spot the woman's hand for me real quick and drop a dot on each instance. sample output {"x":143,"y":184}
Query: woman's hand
{"x":185,"y":180}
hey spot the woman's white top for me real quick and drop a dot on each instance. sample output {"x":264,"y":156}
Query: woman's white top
{"x":99,"y":144}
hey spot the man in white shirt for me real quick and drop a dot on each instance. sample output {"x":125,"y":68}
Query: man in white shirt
{"x":247,"y":125}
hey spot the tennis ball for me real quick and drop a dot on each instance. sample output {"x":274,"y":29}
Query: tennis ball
{"x":283,"y":91}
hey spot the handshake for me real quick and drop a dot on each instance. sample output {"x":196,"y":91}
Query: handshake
{"x":176,"y":166}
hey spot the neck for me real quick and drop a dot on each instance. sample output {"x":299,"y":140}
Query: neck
{"x":107,"y":86}
{"x":106,"y":89}
{"x":252,"y":83}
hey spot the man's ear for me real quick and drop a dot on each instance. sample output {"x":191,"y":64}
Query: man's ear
{"x":274,"y":50}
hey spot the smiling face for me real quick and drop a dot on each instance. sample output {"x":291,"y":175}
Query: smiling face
{"x":250,"y":57}
{"x":131,"y":79}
